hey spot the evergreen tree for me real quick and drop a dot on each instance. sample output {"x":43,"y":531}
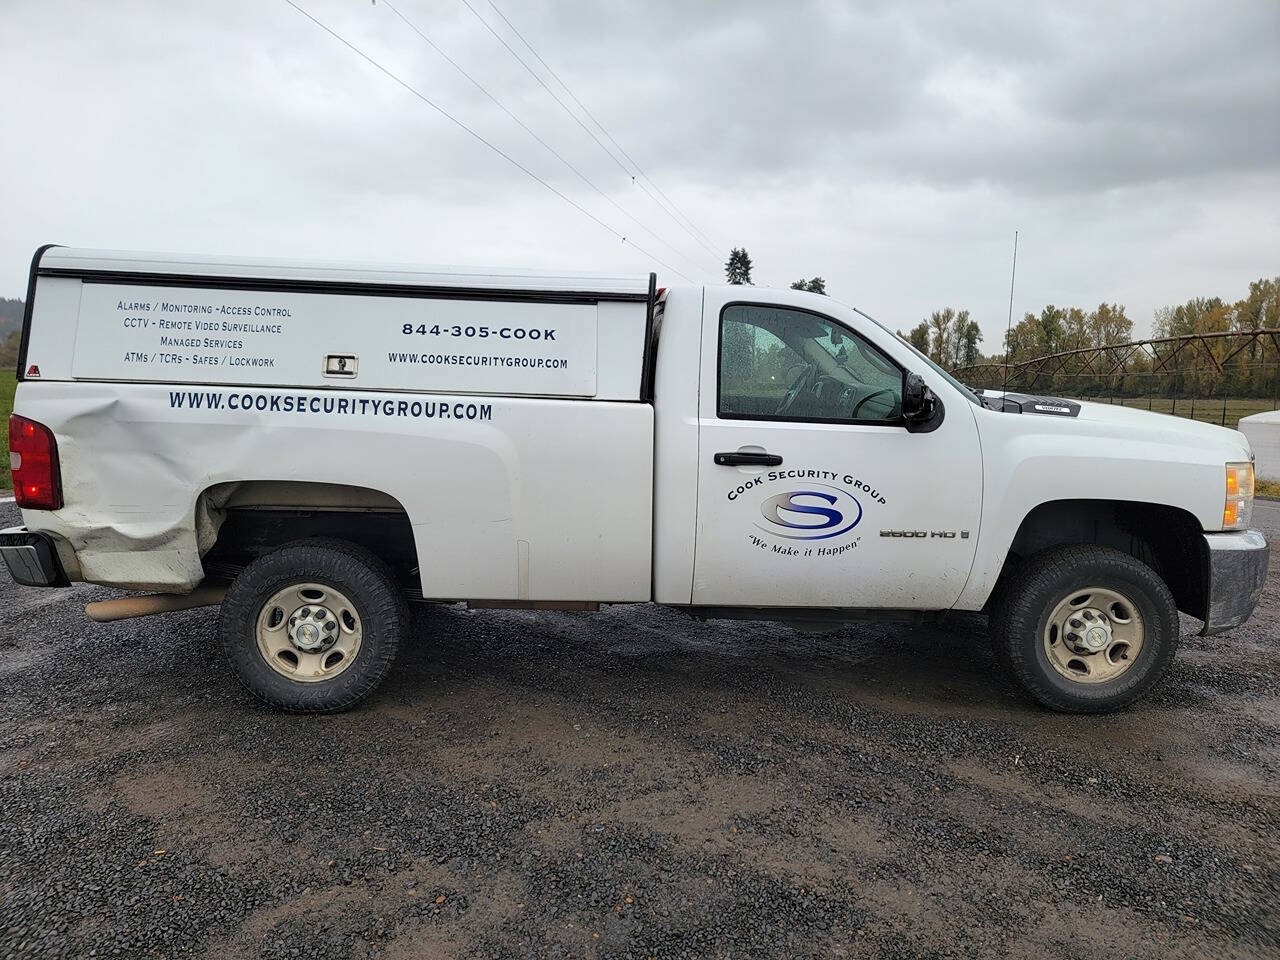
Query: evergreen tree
{"x":737,"y":270}
{"x":816,"y":285}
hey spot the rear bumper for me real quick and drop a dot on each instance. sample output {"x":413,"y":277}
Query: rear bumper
{"x":31,"y":558}
{"x":1237,"y":571}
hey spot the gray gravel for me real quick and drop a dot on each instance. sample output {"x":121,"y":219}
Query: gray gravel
{"x":629,"y":784}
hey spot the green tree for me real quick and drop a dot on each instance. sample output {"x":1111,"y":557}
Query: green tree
{"x":1050,"y":329}
{"x":1108,"y":325}
{"x":1075,"y":329}
{"x":1254,"y":371}
{"x":1034,"y":336}
{"x":737,"y":269}
{"x":816,"y":285}
{"x":1261,"y":308}
{"x":1197,"y":315}
{"x":918,"y":337}
{"x":940,"y":344}
{"x":966,"y":336}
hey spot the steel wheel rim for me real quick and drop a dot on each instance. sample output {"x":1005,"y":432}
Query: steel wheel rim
{"x":1094,"y":635}
{"x":309,"y":632}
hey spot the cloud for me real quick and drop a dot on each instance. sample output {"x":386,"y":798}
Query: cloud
{"x":892,"y":148}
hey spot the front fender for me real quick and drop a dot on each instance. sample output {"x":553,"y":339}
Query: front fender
{"x":1030,"y":460}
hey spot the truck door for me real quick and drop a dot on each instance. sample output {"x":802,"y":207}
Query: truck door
{"x":811,"y":491}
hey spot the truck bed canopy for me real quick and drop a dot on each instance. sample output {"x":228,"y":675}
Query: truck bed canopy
{"x":181,"y":267}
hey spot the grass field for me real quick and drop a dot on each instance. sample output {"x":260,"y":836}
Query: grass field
{"x":8,"y":384}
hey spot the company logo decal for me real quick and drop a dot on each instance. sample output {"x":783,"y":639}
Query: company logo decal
{"x":811,"y":514}
{"x":33,"y":371}
{"x":803,"y":513}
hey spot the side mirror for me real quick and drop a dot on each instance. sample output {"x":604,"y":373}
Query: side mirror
{"x":920,"y":406}
{"x":917,"y":399}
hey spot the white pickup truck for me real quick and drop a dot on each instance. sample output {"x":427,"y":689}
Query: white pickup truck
{"x":314,"y":445}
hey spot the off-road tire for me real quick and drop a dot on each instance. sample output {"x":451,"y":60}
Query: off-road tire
{"x":354,"y":571}
{"x":1020,"y":615}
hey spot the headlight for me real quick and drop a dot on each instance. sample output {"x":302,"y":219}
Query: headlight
{"x":1238,"y":509}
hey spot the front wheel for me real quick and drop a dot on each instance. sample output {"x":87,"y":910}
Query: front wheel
{"x":1085,"y":629}
{"x":313,"y":627}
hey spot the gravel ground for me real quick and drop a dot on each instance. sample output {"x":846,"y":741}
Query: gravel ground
{"x":629,"y":784}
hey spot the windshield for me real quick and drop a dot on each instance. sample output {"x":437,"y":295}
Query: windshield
{"x":969,"y":394}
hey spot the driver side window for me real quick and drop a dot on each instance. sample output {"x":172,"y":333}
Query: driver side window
{"x":777,"y":363}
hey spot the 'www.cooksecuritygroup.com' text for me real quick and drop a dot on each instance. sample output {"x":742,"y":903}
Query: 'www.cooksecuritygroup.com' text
{"x":308,"y":404}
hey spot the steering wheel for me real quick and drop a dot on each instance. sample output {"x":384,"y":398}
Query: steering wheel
{"x":875,"y":393}
{"x":797,"y":387}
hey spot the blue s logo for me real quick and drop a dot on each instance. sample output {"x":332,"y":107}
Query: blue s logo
{"x":811,"y":514}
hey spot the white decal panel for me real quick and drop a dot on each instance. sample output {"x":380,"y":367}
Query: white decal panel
{"x":198,"y":335}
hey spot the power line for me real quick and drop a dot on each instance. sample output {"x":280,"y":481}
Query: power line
{"x":691,"y":229}
{"x":587,"y":130}
{"x":462,"y":126}
{"x":533,"y":73}
{"x":593,"y":119}
{"x":527,"y":129}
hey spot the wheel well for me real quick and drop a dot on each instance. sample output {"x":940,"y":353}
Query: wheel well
{"x":239,"y":521}
{"x":1165,"y":538}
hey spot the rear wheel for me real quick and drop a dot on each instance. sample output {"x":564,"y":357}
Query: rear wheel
{"x":313,"y":627}
{"x":1085,"y":629}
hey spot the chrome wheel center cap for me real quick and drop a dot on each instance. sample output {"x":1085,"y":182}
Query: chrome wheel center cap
{"x":1089,"y":630}
{"x":312,"y":628}
{"x":1097,"y":638}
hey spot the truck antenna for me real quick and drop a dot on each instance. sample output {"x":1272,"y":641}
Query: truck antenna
{"x":1008,"y":326}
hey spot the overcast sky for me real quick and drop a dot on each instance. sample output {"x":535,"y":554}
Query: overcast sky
{"x":892,"y":148}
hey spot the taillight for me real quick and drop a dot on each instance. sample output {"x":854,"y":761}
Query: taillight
{"x":33,"y":457}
